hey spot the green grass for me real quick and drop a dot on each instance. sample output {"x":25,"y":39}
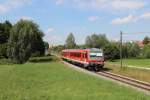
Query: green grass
{"x":139,"y":74}
{"x":55,"y":81}
{"x":134,"y":62}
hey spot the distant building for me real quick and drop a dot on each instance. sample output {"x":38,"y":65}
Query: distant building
{"x":140,"y":43}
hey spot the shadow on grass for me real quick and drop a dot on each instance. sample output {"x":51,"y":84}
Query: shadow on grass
{"x":105,"y":69}
{"x":112,"y":60}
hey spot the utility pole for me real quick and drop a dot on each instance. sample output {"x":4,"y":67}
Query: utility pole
{"x":121,"y":49}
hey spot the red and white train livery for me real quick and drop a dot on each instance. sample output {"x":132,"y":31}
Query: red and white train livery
{"x":89,"y":58}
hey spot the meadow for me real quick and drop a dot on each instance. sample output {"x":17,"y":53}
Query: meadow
{"x":133,"y":62}
{"x":56,"y":81}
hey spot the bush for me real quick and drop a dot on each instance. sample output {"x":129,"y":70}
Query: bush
{"x":111,"y":51}
{"x":5,"y":61}
{"x":146,"y":51}
{"x":131,"y":50}
{"x":43,"y":59}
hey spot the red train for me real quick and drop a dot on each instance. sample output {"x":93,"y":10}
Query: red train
{"x":88,"y":58}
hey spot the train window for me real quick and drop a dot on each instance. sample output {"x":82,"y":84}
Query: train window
{"x":96,"y":54}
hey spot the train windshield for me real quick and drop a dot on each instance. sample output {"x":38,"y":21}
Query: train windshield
{"x":96,"y":54}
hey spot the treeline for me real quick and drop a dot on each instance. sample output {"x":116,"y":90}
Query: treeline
{"x":111,"y":49}
{"x":21,"y":41}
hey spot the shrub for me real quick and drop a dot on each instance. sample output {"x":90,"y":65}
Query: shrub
{"x":43,"y":59}
{"x":111,"y":51}
{"x":5,"y":61}
{"x":146,"y":51}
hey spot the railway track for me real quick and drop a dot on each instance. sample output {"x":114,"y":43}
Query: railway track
{"x":126,"y":80}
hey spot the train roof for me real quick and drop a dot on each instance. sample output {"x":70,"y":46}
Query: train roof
{"x":81,"y":50}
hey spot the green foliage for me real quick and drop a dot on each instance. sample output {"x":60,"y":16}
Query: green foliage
{"x":88,"y":42}
{"x":4,"y":35}
{"x":134,"y":51}
{"x":3,"y":50}
{"x":96,"y":41}
{"x":146,"y":51}
{"x":5,"y":61}
{"x":5,"y":31}
{"x":25,"y":39}
{"x":111,"y":51}
{"x":43,"y":59}
{"x":70,"y":41}
{"x":131,"y":50}
{"x":146,"y":40}
{"x":81,"y":46}
{"x":56,"y":49}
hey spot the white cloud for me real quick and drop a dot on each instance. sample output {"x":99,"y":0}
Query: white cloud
{"x":7,"y":5}
{"x":128,"y":19}
{"x":127,"y":4}
{"x":49,"y":30}
{"x":16,"y":3}
{"x":90,"y":4}
{"x":59,"y":2}
{"x":26,"y":18}
{"x":145,"y":15}
{"x":93,"y":18}
{"x":3,"y":8}
{"x":108,"y":4}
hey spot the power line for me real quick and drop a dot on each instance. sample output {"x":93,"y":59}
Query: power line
{"x":134,"y":33}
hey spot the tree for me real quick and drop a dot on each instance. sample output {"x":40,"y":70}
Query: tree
{"x":96,"y":41}
{"x":146,"y":40}
{"x":5,"y":31}
{"x":146,"y":51}
{"x":134,"y":50}
{"x":4,"y":35}
{"x":88,"y":42}
{"x":130,"y":50}
{"x":70,"y":41}
{"x":111,"y":51}
{"x":25,"y":40}
{"x":57,"y":49}
{"x":3,"y":50}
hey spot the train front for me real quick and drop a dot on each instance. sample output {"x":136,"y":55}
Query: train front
{"x":96,"y":58}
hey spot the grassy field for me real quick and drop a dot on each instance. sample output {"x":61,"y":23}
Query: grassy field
{"x":139,"y":74}
{"x":55,"y":81}
{"x":134,"y":62}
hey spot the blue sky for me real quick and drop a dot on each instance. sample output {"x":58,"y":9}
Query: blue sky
{"x":57,"y":18}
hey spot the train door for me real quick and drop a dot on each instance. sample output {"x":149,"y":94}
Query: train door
{"x":85,"y":57}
